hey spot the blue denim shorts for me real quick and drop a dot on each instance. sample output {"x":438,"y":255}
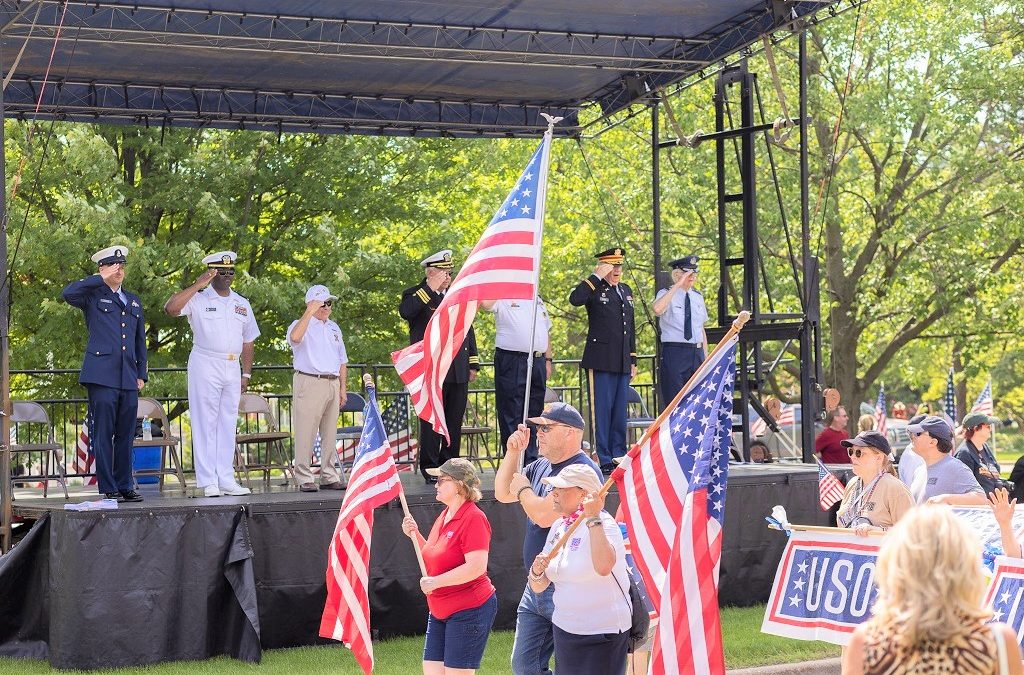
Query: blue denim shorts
{"x":459,"y":640}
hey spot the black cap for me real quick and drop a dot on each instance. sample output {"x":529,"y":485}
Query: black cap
{"x":869,"y":439}
{"x":613,"y":256}
{"x":686,"y":263}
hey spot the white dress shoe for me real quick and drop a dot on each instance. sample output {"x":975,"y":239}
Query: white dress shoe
{"x":234,"y":490}
{"x":211,"y":491}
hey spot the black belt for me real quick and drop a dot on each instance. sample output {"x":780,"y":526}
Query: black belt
{"x":538,"y":355}
{"x":682,"y":344}
{"x":319,"y":377}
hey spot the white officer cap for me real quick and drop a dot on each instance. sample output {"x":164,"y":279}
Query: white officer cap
{"x":221,"y":259}
{"x":442,"y":260}
{"x":110,"y":255}
{"x":319,"y":293}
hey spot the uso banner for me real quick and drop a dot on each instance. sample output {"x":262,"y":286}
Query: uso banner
{"x":824,"y":587}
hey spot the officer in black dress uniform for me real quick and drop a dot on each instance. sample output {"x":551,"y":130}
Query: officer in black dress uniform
{"x":610,"y":353}
{"x":113,"y":370}
{"x":417,"y":306}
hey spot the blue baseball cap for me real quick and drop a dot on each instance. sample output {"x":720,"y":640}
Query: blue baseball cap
{"x":933,"y":426}
{"x":559,"y":413}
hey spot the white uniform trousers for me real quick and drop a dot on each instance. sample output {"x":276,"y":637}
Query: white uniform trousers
{"x":214,"y":389}
{"x":315,"y":408}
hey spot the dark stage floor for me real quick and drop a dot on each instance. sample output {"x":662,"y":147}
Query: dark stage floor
{"x":182,"y":577}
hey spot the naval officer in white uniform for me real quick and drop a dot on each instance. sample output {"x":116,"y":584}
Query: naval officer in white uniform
{"x":224,"y":330}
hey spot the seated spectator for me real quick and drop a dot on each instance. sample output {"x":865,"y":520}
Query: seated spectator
{"x":828,"y":444}
{"x":924,"y":622}
{"x":866,"y":423}
{"x":875,"y":498}
{"x":975,"y":452}
{"x":759,"y":453}
{"x":945,"y":478}
{"x":1017,"y":478}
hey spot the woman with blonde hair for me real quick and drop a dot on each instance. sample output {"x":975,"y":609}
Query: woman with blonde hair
{"x":928,"y":617}
{"x":875,"y":498}
{"x":865,"y":423}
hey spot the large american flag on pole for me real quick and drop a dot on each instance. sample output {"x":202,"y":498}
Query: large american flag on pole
{"x":672,"y":490}
{"x":984,"y":402}
{"x":374,"y":482}
{"x":504,"y":265}
{"x":881,"y":416}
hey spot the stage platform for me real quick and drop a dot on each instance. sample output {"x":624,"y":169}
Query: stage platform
{"x":182,"y":577}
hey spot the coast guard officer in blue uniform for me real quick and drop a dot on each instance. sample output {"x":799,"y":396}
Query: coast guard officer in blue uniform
{"x":113,"y":370}
{"x":610,"y":353}
{"x":683,"y":340}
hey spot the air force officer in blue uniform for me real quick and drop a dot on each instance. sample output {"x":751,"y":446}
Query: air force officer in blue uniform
{"x":113,"y":370}
{"x":683,"y":339}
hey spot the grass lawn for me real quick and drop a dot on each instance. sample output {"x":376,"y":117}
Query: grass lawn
{"x":745,"y":645}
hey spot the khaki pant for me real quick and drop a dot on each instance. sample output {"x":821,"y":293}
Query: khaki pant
{"x":315,"y":408}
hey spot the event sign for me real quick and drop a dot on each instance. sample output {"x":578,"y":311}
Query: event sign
{"x":824,"y":587}
{"x":1006,"y":594}
{"x":984,"y":524}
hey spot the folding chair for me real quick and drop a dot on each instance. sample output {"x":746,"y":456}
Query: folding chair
{"x":354,"y":404}
{"x":275,"y":456}
{"x":637,"y":417}
{"x":150,"y":408}
{"x":23,"y":414}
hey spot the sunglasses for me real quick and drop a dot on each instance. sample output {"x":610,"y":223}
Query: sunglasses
{"x":226,"y":273}
{"x":444,"y":479}
{"x":327,"y":303}
{"x":545,"y":428}
{"x":857,"y":452}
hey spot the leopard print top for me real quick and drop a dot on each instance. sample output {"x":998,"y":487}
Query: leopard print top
{"x":973,"y":654}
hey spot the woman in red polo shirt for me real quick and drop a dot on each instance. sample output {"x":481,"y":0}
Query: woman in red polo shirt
{"x":460,"y":596}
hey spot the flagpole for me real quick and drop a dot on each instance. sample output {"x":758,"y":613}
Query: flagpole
{"x":542,"y":202}
{"x":372,"y":388}
{"x":737,"y":326}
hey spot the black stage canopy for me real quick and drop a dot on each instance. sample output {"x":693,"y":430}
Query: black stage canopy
{"x":400,"y":67}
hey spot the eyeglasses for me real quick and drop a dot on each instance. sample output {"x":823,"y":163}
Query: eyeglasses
{"x":226,"y":272}
{"x":545,"y":428}
{"x":857,"y":452}
{"x":444,"y":479}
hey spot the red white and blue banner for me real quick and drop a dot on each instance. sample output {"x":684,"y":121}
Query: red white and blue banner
{"x":824,"y":587}
{"x":1006,"y":594}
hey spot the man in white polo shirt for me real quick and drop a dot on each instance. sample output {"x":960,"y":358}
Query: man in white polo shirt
{"x":318,"y":388}
{"x":513,"y":320}
{"x":223,"y":334}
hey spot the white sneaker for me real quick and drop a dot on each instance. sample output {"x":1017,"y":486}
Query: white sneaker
{"x":211,"y":491}
{"x":234,"y":490}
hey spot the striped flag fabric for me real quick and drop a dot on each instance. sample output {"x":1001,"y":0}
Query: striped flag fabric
{"x":758,"y":426}
{"x":504,"y":264}
{"x":984,"y":402}
{"x":85,"y":461}
{"x":374,"y":482}
{"x":949,"y":400}
{"x":786,"y":415}
{"x":672,"y":491}
{"x":881,"y":415}
{"x":830,"y":490}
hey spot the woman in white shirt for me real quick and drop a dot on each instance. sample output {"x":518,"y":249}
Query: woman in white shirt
{"x":592,"y":614}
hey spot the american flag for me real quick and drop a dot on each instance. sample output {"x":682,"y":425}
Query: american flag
{"x":758,"y":426}
{"x":374,"y":482}
{"x":830,"y":490}
{"x":396,"y":423}
{"x":786,"y":415}
{"x":85,"y":461}
{"x":503,"y":265}
{"x":949,"y":400}
{"x":881,"y":421}
{"x":984,"y":402}
{"x":672,"y":490}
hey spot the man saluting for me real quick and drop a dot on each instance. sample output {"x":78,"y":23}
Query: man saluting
{"x":113,"y":370}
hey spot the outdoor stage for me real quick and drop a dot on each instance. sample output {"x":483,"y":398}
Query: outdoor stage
{"x":177,"y":577}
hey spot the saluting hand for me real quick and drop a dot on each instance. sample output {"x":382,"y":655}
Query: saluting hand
{"x":312,"y":306}
{"x":602,"y":270}
{"x":107,"y":271}
{"x":205,"y":278}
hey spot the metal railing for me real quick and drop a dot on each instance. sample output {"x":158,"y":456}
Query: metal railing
{"x":68,"y":415}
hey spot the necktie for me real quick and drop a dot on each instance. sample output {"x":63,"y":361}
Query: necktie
{"x":687,"y":330}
